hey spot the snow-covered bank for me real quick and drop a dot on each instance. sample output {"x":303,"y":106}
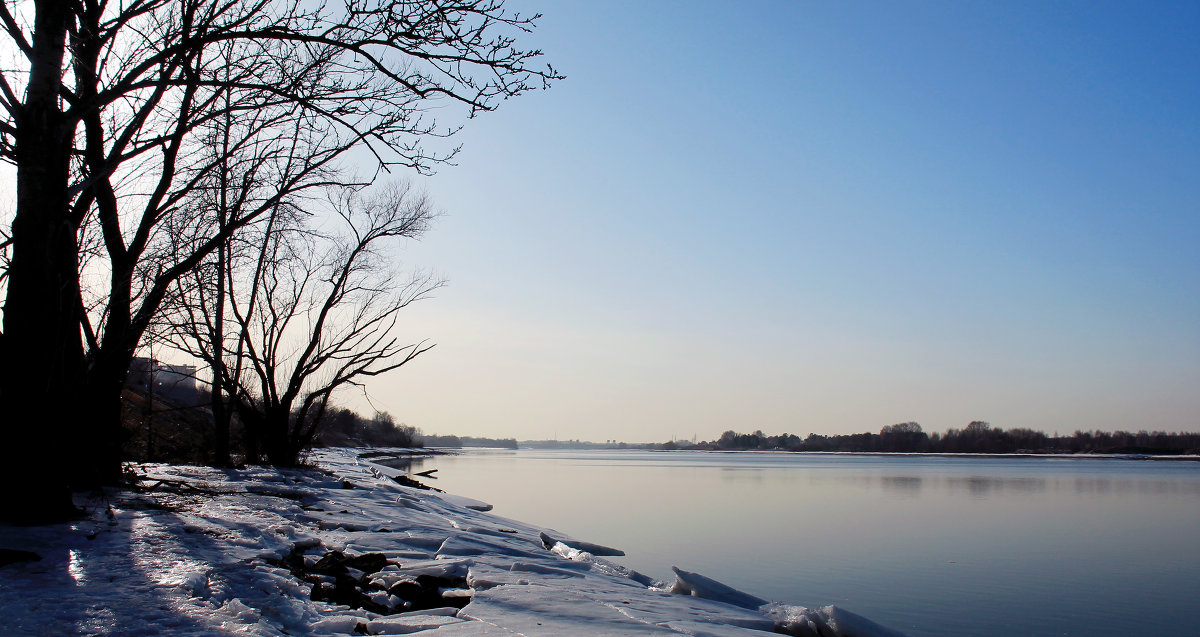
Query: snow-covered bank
{"x":256,"y":551}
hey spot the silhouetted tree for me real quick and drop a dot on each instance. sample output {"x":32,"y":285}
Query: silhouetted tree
{"x":314,"y":312}
{"x":101,"y":124}
{"x":903,"y":437}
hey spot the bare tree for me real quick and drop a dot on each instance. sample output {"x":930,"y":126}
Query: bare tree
{"x":314,"y":310}
{"x":104,"y":119}
{"x":256,"y":177}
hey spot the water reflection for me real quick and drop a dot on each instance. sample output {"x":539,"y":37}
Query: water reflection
{"x":902,"y":485}
{"x":979,"y":486}
{"x":408,"y":464}
{"x":748,"y":475}
{"x":984,"y":486}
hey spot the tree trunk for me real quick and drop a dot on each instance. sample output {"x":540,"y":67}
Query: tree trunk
{"x":43,"y":363}
{"x":221,"y":421}
{"x":275,"y":430}
{"x":252,"y":426}
{"x":103,"y":432}
{"x":221,"y":415}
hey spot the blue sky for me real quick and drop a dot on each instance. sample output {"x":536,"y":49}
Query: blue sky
{"x":822,"y":217}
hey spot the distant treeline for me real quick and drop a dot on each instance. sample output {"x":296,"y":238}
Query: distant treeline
{"x":341,"y":427}
{"x":457,"y":442}
{"x":977,"y":437}
{"x":176,"y":426}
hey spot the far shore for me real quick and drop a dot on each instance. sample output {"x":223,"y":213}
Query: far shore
{"x":430,"y":451}
{"x":1056,"y":456}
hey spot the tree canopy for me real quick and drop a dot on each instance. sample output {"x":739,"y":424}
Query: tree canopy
{"x":110,"y":113}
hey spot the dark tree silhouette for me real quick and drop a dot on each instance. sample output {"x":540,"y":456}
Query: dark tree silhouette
{"x":976,"y":437}
{"x":312,"y":311}
{"x":103,"y":124}
{"x":903,"y":437}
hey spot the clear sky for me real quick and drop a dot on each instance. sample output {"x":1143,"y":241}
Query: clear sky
{"x":823,"y":217}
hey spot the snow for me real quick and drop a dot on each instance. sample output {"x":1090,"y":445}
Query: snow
{"x":697,"y":585}
{"x":830,"y":620}
{"x":202,"y":551}
{"x":588,"y":547}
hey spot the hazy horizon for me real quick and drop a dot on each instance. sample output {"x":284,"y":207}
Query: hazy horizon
{"x":821,"y":218}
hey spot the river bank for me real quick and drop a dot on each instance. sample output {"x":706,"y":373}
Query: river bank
{"x":344,"y":549}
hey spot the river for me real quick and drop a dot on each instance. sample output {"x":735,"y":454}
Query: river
{"x":931,"y":546}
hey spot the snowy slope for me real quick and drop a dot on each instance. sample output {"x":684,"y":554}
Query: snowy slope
{"x":201,"y":551}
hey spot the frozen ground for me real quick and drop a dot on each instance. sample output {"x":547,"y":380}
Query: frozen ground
{"x":345,"y":550}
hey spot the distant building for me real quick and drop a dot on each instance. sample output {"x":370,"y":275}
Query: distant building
{"x":147,"y":374}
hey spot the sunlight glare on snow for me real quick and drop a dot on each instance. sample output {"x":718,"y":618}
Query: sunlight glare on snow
{"x":96,"y":621}
{"x":168,"y":563}
{"x":75,"y":568}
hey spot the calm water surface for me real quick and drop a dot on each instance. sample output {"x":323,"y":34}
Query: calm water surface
{"x":929,"y":546}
